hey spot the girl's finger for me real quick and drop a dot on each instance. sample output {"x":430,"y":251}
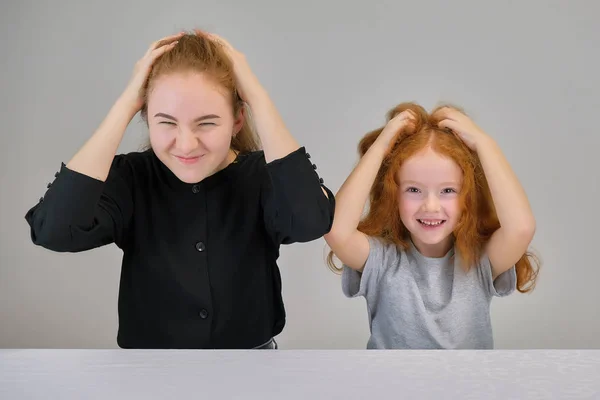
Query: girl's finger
{"x":161,"y":50}
{"x":164,"y":41}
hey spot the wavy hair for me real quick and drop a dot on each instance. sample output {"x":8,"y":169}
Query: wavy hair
{"x":478,"y":219}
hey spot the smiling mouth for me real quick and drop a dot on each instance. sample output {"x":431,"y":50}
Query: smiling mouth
{"x":188,"y":160}
{"x":431,"y":222}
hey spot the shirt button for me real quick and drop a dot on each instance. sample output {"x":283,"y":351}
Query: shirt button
{"x":321,"y":180}
{"x":307,"y":155}
{"x":314,"y":166}
{"x":195,"y":189}
{"x":203,"y":313}
{"x":200,"y":246}
{"x":56,"y":175}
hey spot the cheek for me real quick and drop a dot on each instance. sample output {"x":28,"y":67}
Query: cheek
{"x":452,"y":206}
{"x":408,"y":206}
{"x":217,"y":140}
{"x":162,"y":138}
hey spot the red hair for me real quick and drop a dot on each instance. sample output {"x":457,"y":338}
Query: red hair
{"x":478,"y":219}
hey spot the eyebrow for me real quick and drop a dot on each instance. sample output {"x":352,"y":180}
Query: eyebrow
{"x":441,"y":184}
{"x":202,"y":118}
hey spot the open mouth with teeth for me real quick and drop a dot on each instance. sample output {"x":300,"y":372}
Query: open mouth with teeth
{"x":431,"y":223}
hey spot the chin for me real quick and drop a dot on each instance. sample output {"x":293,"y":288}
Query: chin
{"x":190,"y":176}
{"x":432,"y":238}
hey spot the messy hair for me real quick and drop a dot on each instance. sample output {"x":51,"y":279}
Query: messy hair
{"x":196,"y":52}
{"x":478,"y":219}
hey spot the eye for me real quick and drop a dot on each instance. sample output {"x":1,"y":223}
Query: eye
{"x":412,"y":190}
{"x":448,"y":190}
{"x":166,"y":123}
{"x":207,"y":124}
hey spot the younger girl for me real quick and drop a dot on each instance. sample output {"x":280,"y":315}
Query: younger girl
{"x":447,"y":229}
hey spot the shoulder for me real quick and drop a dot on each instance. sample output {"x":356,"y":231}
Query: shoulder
{"x":133,"y":158}
{"x":504,"y":284}
{"x":383,"y":252}
{"x":134,"y":163}
{"x":383,"y":257}
{"x":253,"y":159}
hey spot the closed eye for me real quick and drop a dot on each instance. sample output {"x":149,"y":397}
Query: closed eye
{"x":167,"y":122}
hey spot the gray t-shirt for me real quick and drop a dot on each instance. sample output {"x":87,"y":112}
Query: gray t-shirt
{"x":416,"y":302}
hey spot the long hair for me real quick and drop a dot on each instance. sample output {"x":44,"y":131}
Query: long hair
{"x":197,"y":53}
{"x":478,"y":219}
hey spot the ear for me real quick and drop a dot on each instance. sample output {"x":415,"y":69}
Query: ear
{"x":238,"y":123}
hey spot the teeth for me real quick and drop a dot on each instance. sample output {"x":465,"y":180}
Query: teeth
{"x":431,"y":223}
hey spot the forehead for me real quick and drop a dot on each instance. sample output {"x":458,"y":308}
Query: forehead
{"x":186,"y":92}
{"x":429,"y":168}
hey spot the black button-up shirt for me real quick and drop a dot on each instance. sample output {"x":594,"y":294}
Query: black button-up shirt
{"x":199,"y":260}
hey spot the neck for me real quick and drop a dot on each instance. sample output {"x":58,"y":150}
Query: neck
{"x":437,"y":250}
{"x":231,"y":156}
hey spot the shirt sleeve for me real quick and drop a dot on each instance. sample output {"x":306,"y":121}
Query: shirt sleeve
{"x":80,"y":213}
{"x":504,"y":284}
{"x":365,"y":283}
{"x":295,"y":207}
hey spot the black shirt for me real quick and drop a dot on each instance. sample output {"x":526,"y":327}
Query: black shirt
{"x":199,"y":260}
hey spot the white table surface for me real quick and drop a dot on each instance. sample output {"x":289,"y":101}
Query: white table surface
{"x":299,"y":374}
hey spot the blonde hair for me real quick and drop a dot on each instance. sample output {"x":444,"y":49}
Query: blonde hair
{"x":197,"y":53}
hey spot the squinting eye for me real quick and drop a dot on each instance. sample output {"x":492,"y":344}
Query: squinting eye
{"x":166,"y":123}
{"x":208,"y":124}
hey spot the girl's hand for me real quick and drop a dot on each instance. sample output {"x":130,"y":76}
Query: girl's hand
{"x":462,"y":126}
{"x":133,"y":92}
{"x":394,"y":128}
{"x":246,"y":82}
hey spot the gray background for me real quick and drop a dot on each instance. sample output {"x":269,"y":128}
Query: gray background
{"x":526,"y":71}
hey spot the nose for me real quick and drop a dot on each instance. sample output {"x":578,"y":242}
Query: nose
{"x":187,"y":142}
{"x":432,"y":203}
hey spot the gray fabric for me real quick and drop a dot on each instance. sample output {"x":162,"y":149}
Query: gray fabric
{"x":416,"y":302}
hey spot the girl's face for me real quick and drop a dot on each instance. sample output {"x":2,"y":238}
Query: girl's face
{"x":429,"y":184}
{"x":191,"y":125}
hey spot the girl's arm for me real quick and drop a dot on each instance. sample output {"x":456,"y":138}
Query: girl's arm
{"x":508,"y":244}
{"x":347,"y":243}
{"x":90,"y":203}
{"x":276,"y":140}
{"x":297,"y":206}
{"x":95,"y":157}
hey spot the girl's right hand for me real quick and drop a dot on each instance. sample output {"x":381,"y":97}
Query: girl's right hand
{"x":133,"y":93}
{"x":394,"y":127}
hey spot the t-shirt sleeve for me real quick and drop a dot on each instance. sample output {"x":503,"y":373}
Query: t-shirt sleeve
{"x":354,"y":283}
{"x":504,"y":284}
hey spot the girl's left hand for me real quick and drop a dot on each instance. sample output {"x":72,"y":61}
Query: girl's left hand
{"x":462,"y":126}
{"x":246,"y":82}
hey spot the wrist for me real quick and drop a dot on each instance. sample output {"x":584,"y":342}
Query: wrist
{"x":484,"y":142}
{"x":255,"y":95}
{"x":128,"y":103}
